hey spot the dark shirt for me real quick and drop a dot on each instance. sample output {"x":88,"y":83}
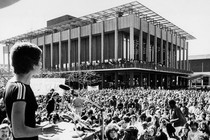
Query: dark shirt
{"x":16,"y":91}
{"x":176,"y":113}
{"x":50,"y":106}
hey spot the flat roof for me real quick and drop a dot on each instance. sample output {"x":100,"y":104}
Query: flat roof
{"x":195,"y":57}
{"x":126,"y":9}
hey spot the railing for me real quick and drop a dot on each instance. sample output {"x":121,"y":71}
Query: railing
{"x":134,"y":64}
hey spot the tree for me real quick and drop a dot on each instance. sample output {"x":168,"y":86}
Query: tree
{"x":84,"y":78}
{"x":4,"y":77}
{"x":49,"y":74}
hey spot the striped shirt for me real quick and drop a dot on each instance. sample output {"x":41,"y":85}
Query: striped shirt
{"x":15,"y":92}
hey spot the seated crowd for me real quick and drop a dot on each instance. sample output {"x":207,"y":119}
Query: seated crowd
{"x":128,"y":114}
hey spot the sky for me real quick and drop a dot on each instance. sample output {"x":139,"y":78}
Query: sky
{"x":193,"y":16}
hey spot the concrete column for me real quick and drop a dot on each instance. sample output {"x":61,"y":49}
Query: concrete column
{"x":155,"y":44}
{"x":8,"y":49}
{"x":132,"y":37}
{"x":161,"y":48}
{"x":175,"y":61}
{"x":148,"y":56}
{"x":59,"y":49}
{"x":69,"y":49}
{"x":148,"y":80}
{"x":172,"y":50}
{"x":140,"y":42}
{"x":141,"y":80}
{"x":116,"y":39}
{"x":166,"y":49}
{"x":131,"y":79}
{"x":155,"y":78}
{"x":116,"y":79}
{"x":51,"y":52}
{"x":102,"y":80}
{"x":161,"y":80}
{"x":102,"y":41}
{"x":44,"y":55}
{"x":180,"y":53}
{"x":79,"y":47}
{"x":127,"y":56}
{"x":90,"y":43}
{"x":184,"y":47}
{"x":125,"y":79}
{"x":168,"y":81}
{"x":177,"y":80}
{"x":187,"y":61}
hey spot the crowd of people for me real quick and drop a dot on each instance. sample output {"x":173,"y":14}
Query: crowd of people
{"x":124,"y":114}
{"x":129,"y":114}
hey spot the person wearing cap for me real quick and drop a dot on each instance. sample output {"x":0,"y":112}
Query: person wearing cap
{"x":4,"y":132}
{"x":19,"y":98}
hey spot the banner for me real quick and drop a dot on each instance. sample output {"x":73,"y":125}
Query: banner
{"x":42,"y":86}
{"x":91,"y":88}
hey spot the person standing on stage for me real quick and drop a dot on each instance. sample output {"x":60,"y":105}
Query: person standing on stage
{"x":19,"y":98}
{"x":51,"y":105}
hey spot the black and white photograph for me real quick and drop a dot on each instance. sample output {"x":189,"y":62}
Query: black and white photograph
{"x":104,"y":70}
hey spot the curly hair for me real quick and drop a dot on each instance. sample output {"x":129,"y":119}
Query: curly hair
{"x":24,"y":56}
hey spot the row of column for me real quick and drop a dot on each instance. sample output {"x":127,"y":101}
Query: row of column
{"x":183,"y":48}
{"x":183,"y":64}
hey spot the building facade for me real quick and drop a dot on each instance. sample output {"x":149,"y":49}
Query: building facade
{"x":200,"y":65}
{"x":128,"y":45}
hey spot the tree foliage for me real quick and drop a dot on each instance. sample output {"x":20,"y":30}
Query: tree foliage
{"x":4,"y":77}
{"x":84,"y":78}
{"x":48,"y":74}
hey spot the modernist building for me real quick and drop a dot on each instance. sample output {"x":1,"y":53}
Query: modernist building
{"x":200,"y":65}
{"x":127,"y":45}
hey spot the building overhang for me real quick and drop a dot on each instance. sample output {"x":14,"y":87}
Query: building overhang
{"x":197,"y":76}
{"x":135,"y":7}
